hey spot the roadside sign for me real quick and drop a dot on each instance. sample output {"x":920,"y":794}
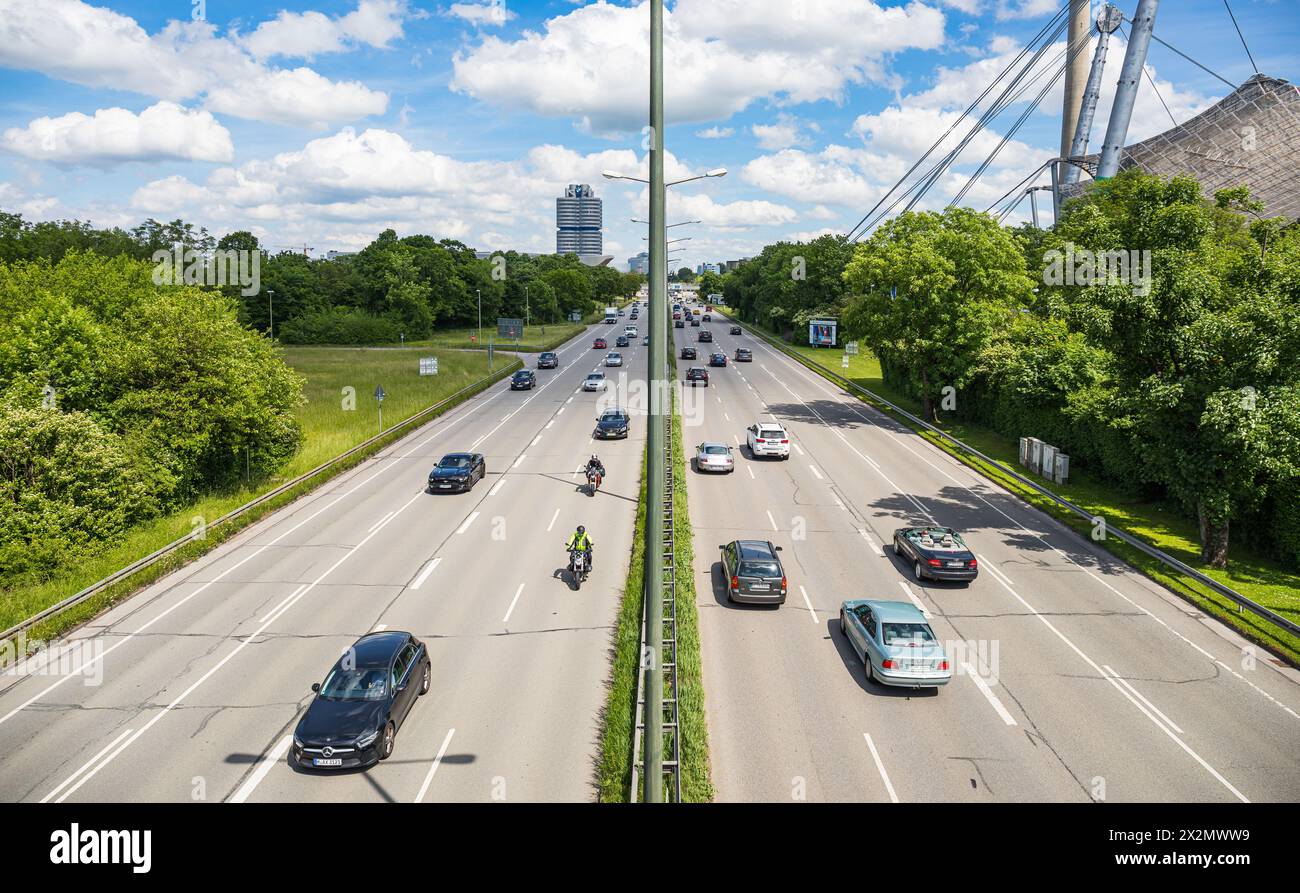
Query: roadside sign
{"x":851,"y":348}
{"x":379,"y":393}
{"x":428,"y":365}
{"x":510,"y":329}
{"x":844,"y":361}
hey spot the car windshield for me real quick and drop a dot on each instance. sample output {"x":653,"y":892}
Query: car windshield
{"x":612,"y":417}
{"x":771,"y":432}
{"x":716,"y":450}
{"x":454,"y":462}
{"x":907,"y":634}
{"x":759,"y":569}
{"x":595,"y":376}
{"x":357,"y":684}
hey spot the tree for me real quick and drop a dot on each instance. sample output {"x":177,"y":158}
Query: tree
{"x":1205,"y":347}
{"x":931,"y":289}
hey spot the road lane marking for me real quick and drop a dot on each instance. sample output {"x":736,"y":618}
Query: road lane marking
{"x":1124,"y":682}
{"x":437,"y":761}
{"x":839,"y":502}
{"x":268,"y":759}
{"x":750,"y":469}
{"x":988,"y":694}
{"x":875,"y":547}
{"x":989,"y":566}
{"x":1119,"y":688}
{"x":380,"y":521}
{"x":880,"y":767}
{"x":499,"y":484}
{"x":520,"y":460}
{"x":536,"y":440}
{"x":86,"y":765}
{"x":727,"y":417}
{"x":424,"y":574}
{"x":514,"y":601}
{"x":287,"y":599}
{"x":379,"y":627}
{"x":798,"y":449}
{"x":221,"y":663}
{"x":808,"y":602}
{"x":553,"y":517}
{"x":773,"y":520}
{"x":813,"y":469}
{"x":916,"y":601}
{"x":468,"y":521}
{"x":548,"y":425}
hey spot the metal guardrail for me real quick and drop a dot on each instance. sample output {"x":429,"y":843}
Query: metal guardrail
{"x":672,"y":769}
{"x":1141,"y":545}
{"x":154,"y":557}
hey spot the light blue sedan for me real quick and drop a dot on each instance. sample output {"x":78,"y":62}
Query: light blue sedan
{"x":895,"y":643}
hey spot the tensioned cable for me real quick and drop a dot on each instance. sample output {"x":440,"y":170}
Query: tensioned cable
{"x":1006,"y":99}
{"x":1024,"y":116}
{"x":1242,"y":36}
{"x":1172,"y":48}
{"x":971,"y":108}
{"x":1152,"y":82}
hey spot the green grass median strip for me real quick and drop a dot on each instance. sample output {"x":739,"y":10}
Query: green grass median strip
{"x":1262,"y":581}
{"x":619,"y":725}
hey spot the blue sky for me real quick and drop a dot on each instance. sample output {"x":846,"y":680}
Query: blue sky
{"x":323,"y":122}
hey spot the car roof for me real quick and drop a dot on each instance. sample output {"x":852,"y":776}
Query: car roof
{"x":460,"y":455}
{"x":755,"y":549}
{"x":715,"y":443}
{"x":595,"y":374}
{"x":377,"y":649}
{"x":890,"y":611}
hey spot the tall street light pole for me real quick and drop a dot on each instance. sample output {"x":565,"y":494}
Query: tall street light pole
{"x":270,"y":309}
{"x":653,"y":768}
{"x":479,"y":292}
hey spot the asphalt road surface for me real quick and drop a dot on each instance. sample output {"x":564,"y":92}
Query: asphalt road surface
{"x":204,"y":675}
{"x":1077,"y":679}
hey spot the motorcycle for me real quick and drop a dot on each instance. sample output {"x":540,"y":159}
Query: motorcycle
{"x":579,"y":567}
{"x":593,"y":481}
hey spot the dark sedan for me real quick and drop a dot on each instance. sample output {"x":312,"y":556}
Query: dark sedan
{"x":678,"y":324}
{"x":612,"y":424}
{"x":458,"y":471}
{"x":548,"y":359}
{"x":717,"y":359}
{"x":754,"y":572}
{"x":354,"y":718}
{"x":706,"y":336}
{"x":744,"y":355}
{"x":735,"y":330}
{"x":621,"y":341}
{"x":938,"y":553}
{"x":688,"y":353}
{"x":707,"y":318}
{"x":697,"y":375}
{"x":523,"y":380}
{"x":695,"y":323}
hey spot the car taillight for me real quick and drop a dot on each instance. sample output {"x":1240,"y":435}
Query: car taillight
{"x":783,"y":584}
{"x":785,"y":441}
{"x":735,"y":582}
{"x":943,"y":665}
{"x":973,"y":563}
{"x":887,"y":664}
{"x":935,"y":562}
{"x":759,"y":440}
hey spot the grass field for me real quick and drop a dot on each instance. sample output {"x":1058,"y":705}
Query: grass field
{"x":1259,"y":579}
{"x":534,"y":339}
{"x":328,"y":429}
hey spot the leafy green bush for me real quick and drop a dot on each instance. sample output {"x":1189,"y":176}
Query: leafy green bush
{"x":340,"y":325}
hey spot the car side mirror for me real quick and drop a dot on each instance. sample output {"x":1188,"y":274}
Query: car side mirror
{"x":315,"y":686}
{"x":780,"y":548}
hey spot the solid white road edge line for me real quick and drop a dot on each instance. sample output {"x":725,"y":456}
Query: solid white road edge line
{"x":988,"y":694}
{"x":880,"y":767}
{"x":437,"y":761}
{"x":269,"y":759}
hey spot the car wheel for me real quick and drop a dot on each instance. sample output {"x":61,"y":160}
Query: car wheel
{"x":387,"y":740}
{"x":897,"y":551}
{"x":844,"y":631}
{"x":424,"y":684}
{"x":869,"y":673}
{"x":916,"y":570}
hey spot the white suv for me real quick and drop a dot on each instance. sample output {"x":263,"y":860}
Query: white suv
{"x":768,"y":439}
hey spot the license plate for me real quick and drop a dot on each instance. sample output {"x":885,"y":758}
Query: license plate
{"x":756,"y":587}
{"x":956,"y":564}
{"x":322,"y":761}
{"x":445,"y":486}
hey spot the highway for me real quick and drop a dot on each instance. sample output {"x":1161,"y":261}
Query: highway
{"x":206,"y":673}
{"x":1079,"y":679}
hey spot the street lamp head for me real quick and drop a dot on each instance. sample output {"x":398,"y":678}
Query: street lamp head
{"x":716,"y":172}
{"x":612,"y":175}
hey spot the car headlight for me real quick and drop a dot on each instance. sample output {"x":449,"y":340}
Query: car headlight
{"x":297,"y":742}
{"x":367,"y":739}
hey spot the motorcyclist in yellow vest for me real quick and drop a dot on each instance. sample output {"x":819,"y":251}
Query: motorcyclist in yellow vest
{"x":579,"y":540}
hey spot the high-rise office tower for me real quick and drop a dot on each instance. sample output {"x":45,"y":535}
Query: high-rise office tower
{"x":579,"y":221}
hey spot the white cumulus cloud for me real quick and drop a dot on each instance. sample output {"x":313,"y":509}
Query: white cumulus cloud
{"x":164,"y":131}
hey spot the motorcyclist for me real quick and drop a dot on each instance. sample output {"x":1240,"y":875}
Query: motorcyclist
{"x":594,"y":464}
{"x":580,"y":541}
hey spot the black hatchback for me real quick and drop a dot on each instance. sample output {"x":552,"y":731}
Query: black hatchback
{"x":706,"y":336}
{"x":548,"y":359}
{"x":754,"y":572}
{"x":365,"y":698}
{"x":688,"y":353}
{"x":523,"y":380}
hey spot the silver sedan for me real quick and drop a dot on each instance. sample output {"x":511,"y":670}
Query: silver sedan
{"x":714,"y":457}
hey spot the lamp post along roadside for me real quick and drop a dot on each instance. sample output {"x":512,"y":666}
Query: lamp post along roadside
{"x":652,"y":774}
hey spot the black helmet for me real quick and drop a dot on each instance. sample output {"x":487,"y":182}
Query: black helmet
{"x":581,"y":529}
